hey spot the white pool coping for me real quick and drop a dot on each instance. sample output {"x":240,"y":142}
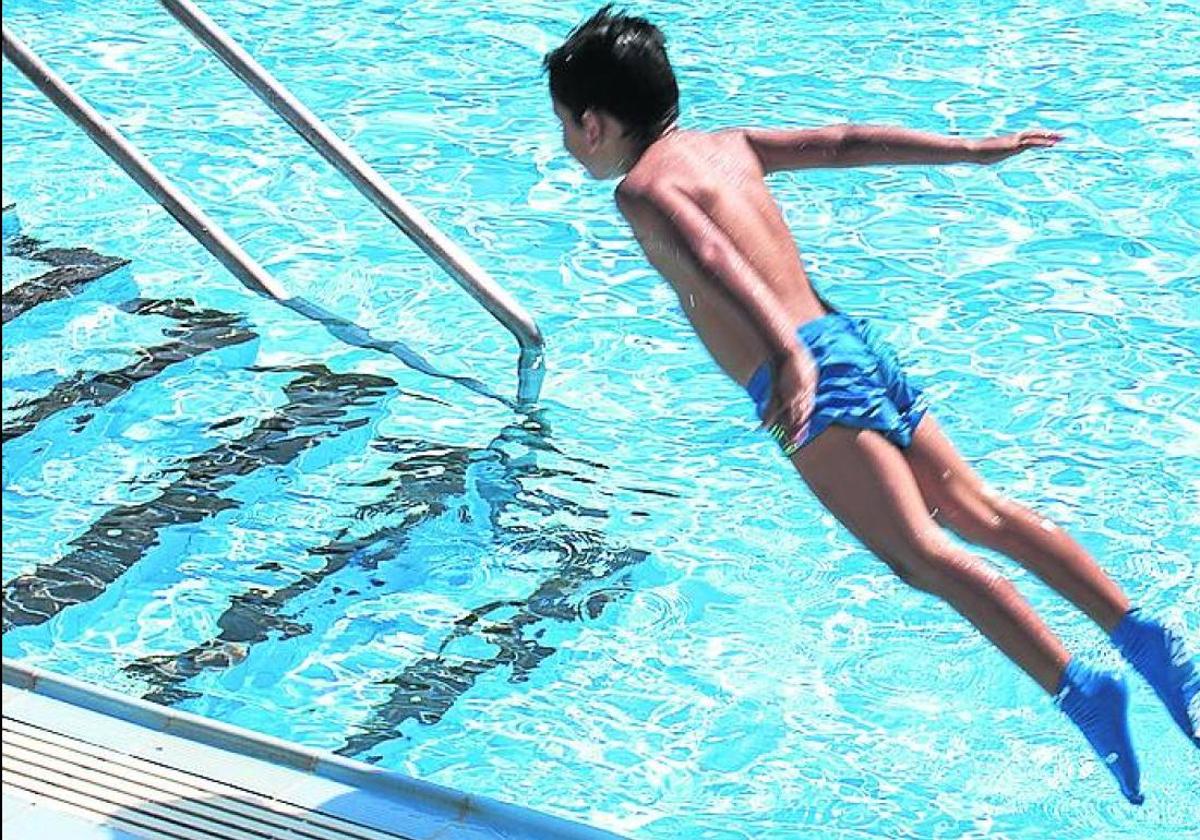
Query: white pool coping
{"x":125,"y":746}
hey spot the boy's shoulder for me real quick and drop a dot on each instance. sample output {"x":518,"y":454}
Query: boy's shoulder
{"x":686,"y":158}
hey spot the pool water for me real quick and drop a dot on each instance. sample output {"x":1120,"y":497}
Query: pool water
{"x":625,"y":608}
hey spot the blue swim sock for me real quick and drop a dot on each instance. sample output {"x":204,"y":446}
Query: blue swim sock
{"x":1097,"y":702}
{"x":1158,"y":654}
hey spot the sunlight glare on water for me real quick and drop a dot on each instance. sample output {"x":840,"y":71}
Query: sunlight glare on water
{"x":625,"y":610}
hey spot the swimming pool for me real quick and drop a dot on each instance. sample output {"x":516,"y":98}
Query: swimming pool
{"x":623,"y":610}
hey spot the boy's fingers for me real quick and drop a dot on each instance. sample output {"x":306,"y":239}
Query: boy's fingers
{"x":784,"y":419}
{"x":770,"y":418}
{"x":1040,"y":137}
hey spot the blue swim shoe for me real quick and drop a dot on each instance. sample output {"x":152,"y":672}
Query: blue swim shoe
{"x":1098,"y":703}
{"x":1158,"y":654}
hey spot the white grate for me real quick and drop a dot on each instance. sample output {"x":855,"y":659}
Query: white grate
{"x":148,"y":799}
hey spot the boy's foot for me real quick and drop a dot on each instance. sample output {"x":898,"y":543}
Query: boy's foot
{"x":1097,"y":702}
{"x":1158,"y":654}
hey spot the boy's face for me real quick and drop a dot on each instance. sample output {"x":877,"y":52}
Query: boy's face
{"x":589,"y":140}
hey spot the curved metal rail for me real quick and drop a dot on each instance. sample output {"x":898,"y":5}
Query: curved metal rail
{"x":141,"y":170}
{"x":477,"y":282}
{"x":222,"y":246}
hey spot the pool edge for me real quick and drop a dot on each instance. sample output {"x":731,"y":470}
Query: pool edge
{"x":465,"y":812}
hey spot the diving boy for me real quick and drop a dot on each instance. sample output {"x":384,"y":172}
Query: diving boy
{"x":828,"y":388}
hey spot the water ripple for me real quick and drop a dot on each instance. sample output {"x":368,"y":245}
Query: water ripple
{"x":753,"y":673}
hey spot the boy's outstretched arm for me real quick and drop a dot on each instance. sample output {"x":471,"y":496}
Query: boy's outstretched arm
{"x":864,"y":145}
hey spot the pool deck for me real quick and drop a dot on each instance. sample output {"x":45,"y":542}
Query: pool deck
{"x":86,"y":763}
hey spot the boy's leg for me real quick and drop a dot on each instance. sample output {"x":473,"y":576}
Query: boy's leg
{"x":868,"y":485}
{"x":960,"y":500}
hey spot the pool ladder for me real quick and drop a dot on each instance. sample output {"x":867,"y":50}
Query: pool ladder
{"x":477,"y":282}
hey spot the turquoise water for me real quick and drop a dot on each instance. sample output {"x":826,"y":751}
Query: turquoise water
{"x":625,"y":610}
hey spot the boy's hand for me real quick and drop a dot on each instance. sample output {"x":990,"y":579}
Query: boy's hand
{"x":995,"y":149}
{"x":793,"y":390}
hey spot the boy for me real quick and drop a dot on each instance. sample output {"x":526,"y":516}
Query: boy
{"x":829,"y":390}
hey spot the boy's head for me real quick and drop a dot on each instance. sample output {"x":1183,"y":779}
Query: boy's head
{"x":613,"y":88}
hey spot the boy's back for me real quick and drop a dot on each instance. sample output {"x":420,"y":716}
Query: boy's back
{"x":696,"y":197}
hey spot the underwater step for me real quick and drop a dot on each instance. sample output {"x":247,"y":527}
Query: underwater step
{"x":12,"y":222}
{"x":71,"y":270}
{"x":196,"y":331}
{"x":321,"y":404}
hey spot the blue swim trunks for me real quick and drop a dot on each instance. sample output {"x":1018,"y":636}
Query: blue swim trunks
{"x":860,"y":382}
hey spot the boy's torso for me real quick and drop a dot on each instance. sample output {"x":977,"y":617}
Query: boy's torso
{"x":722,"y":176}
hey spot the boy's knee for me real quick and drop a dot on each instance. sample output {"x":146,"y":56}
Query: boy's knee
{"x":977,"y":519}
{"x":946,"y":570}
{"x":926,"y":563}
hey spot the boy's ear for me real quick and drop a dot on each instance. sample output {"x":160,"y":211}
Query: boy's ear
{"x":593,"y":128}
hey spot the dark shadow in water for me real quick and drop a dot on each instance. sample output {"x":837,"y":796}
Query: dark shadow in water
{"x":319,"y":399}
{"x":583,"y":559}
{"x":422,"y":482}
{"x":199,"y":331}
{"x":73,"y":269}
{"x":427,"y":689}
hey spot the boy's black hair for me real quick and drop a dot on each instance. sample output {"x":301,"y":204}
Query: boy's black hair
{"x":618,"y":64}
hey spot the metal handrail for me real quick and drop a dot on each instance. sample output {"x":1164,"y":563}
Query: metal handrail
{"x":477,"y":282}
{"x":140,"y":169}
{"x":207,"y":232}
